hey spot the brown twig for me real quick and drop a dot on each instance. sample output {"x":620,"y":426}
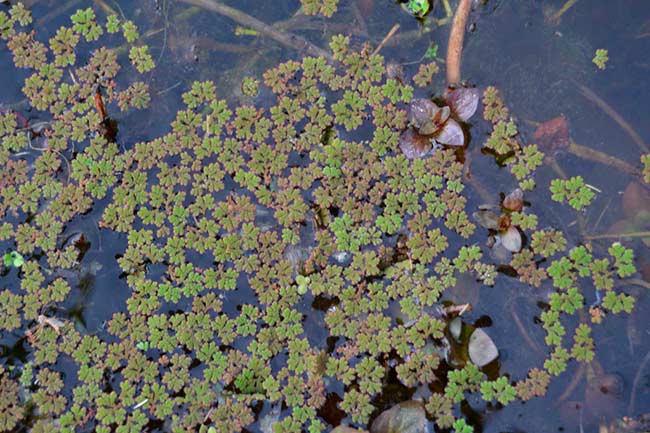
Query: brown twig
{"x":389,"y":35}
{"x":457,"y":309}
{"x":573,"y":384}
{"x":522,"y":330}
{"x":288,"y":39}
{"x":635,"y":282}
{"x":308,"y":22}
{"x":455,"y":45}
{"x":555,"y":18}
{"x":54,"y":13}
{"x":643,"y":234}
{"x":600,"y":103}
{"x":594,"y":155}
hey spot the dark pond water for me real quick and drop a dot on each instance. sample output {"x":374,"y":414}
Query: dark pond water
{"x":542,"y":69}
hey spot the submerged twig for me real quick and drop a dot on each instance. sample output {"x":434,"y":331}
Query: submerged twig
{"x":635,"y":383}
{"x":486,"y":197}
{"x":455,"y":45}
{"x":641,"y":234}
{"x":585,"y":152}
{"x":555,"y":18}
{"x":389,"y":35}
{"x":522,"y":330}
{"x":288,"y":39}
{"x":573,"y":384}
{"x":594,"y":155}
{"x":602,"y":213}
{"x":304,"y":22}
{"x":600,"y":103}
{"x":105,"y":7}
{"x":635,"y":282}
{"x":56,"y":12}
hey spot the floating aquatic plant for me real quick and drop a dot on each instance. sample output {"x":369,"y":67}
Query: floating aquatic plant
{"x":600,"y":58}
{"x":431,"y":125}
{"x":240,"y":216}
{"x":574,"y":191}
{"x":323,"y":7}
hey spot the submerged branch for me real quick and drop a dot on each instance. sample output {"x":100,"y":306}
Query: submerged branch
{"x":389,"y":35}
{"x":455,"y":45}
{"x":641,"y":234}
{"x":288,"y":39}
{"x":555,"y":18}
{"x":597,"y":156}
{"x":635,"y":384}
{"x":590,"y":95}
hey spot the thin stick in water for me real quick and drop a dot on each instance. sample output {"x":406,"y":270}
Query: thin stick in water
{"x":455,"y":45}
{"x":600,"y":103}
{"x":389,"y":35}
{"x":288,"y":39}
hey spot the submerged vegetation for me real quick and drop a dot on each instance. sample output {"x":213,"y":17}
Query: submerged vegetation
{"x":277,"y":256}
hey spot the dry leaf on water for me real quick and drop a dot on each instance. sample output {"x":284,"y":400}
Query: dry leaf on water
{"x":463,"y":102}
{"x":482,"y":349}
{"x":405,"y":417}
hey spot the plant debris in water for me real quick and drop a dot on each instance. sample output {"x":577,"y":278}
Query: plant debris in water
{"x":240,"y":217}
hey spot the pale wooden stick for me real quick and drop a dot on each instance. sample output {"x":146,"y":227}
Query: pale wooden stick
{"x":288,"y":39}
{"x":389,"y":35}
{"x":455,"y":45}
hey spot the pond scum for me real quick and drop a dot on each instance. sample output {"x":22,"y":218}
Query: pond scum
{"x":306,"y":201}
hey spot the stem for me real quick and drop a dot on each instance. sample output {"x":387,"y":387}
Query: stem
{"x":573,"y":384}
{"x":288,"y":39}
{"x":635,"y":383}
{"x":635,"y":282}
{"x":522,"y":330}
{"x":603,"y":158}
{"x":389,"y":35}
{"x":56,"y":12}
{"x":555,"y":18}
{"x":642,"y":234}
{"x":455,"y":45}
{"x":600,"y":103}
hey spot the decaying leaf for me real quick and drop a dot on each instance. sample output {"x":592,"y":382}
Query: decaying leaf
{"x":53,"y":322}
{"x":511,"y":239}
{"x":451,"y":134}
{"x":405,"y":417}
{"x":514,"y":201}
{"x":455,"y":326}
{"x":423,"y":114}
{"x":413,"y":144}
{"x":487,"y":219}
{"x":482,"y":349}
{"x":463,"y":102}
{"x":636,"y":199}
{"x":552,"y":134}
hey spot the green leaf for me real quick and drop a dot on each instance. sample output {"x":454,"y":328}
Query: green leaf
{"x":14,"y":259}
{"x":618,"y":302}
{"x":573,"y":190}
{"x":461,"y":426}
{"x":419,"y":8}
{"x":623,"y":259}
{"x":600,"y":58}
{"x":142,"y":345}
